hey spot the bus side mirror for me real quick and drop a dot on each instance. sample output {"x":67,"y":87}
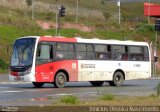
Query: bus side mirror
{"x":155,"y":58}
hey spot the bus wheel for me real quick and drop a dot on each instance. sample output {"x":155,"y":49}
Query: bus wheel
{"x":118,"y":79}
{"x":60,"y":80}
{"x":96,"y":83}
{"x":38,"y":84}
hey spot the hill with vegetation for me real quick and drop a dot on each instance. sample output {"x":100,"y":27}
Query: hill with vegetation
{"x":96,"y":19}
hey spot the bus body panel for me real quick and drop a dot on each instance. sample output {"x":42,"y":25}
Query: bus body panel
{"x":47,"y":72}
{"x":30,"y":75}
{"x":94,"y":70}
{"x":137,"y":70}
{"x":104,"y":70}
{"x":26,"y":78}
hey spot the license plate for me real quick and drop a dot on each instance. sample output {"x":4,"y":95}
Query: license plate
{"x":18,"y":78}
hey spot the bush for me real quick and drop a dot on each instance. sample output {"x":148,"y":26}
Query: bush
{"x":107,"y":15}
{"x":3,"y":65}
{"x":69,"y":99}
{"x":153,"y":96}
{"x":106,"y":97}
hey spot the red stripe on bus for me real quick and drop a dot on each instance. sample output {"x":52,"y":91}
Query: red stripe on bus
{"x":56,"y":39}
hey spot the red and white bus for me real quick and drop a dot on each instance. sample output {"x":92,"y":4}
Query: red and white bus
{"x":59,"y":60}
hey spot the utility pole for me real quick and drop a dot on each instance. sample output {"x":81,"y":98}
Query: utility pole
{"x":149,"y":9}
{"x":119,"y":11}
{"x":57,"y":21}
{"x":157,"y":28}
{"x":31,"y":3}
{"x":32,"y":9}
{"x":155,"y":56}
{"x":58,"y":25}
{"x":60,"y":13}
{"x":77,"y":11}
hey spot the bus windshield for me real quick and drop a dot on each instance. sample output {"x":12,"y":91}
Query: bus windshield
{"x":23,"y":51}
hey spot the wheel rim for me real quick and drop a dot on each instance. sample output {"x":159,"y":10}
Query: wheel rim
{"x":61,"y":80}
{"x":118,"y":78}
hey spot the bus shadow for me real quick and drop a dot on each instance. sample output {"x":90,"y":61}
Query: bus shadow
{"x":72,"y":85}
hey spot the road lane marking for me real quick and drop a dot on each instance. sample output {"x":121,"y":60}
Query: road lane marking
{"x":85,"y":93}
{"x":21,"y":91}
{"x":10,"y":91}
{"x":63,"y":94}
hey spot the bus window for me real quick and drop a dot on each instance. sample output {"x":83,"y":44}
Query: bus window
{"x":64,"y":46}
{"x":101,"y":52}
{"x":108,"y":52}
{"x":64,"y":51}
{"x":81,"y":51}
{"x":84,"y":51}
{"x":146,"y":54}
{"x":136,"y":53}
{"x":119,"y":52}
{"x":90,"y":52}
{"x":44,"y":54}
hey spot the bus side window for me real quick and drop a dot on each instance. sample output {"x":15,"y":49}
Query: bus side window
{"x":136,"y":53}
{"x":64,"y":51}
{"x":146,"y":54}
{"x":101,"y":52}
{"x":44,"y":54}
{"x":108,"y":56}
{"x":90,"y":52}
{"x":119,"y":52}
{"x":59,"y":55}
{"x":125,"y":55}
{"x":38,"y":52}
{"x":81,"y":51}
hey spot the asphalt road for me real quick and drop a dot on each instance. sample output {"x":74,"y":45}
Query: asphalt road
{"x":24,"y":94}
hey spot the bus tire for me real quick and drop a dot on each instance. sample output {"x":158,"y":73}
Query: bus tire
{"x":38,"y":84}
{"x":118,"y":79}
{"x":96,"y":83}
{"x":60,"y":80}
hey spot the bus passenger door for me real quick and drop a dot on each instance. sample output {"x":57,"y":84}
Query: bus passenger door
{"x":44,"y":66}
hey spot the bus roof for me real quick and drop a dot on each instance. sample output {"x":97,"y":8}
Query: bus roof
{"x":81,"y":40}
{"x":112,"y":42}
